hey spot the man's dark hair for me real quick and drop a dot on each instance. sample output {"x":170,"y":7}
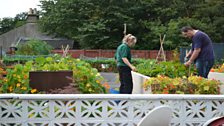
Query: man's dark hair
{"x":186,"y":28}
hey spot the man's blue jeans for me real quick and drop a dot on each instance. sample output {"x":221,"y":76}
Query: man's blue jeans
{"x":204,"y":66}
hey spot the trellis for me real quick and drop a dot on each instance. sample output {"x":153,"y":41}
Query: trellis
{"x":161,"y":54}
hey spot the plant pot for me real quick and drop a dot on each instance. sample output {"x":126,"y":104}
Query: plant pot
{"x":138,"y":81}
{"x":47,"y":80}
{"x":217,"y":76}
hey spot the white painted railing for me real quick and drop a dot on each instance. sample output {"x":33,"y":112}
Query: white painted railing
{"x":104,"y":109}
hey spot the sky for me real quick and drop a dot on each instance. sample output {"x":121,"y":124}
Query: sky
{"x":9,"y":8}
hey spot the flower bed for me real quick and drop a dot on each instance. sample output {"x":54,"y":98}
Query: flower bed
{"x":190,"y":85}
{"x":87,"y":78}
{"x":219,"y":69}
{"x":162,"y":84}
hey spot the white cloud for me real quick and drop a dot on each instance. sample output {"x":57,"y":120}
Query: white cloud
{"x":9,"y":8}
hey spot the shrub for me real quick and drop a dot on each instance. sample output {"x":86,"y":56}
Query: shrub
{"x":34,"y":47}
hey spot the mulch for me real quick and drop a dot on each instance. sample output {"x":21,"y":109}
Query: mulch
{"x":71,"y":89}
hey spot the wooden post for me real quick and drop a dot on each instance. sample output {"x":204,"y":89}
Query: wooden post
{"x":1,"y":52}
{"x":125,"y":29}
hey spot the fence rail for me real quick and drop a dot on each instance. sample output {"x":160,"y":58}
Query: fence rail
{"x":104,"y":109}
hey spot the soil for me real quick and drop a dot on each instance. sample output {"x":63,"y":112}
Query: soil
{"x":71,"y":89}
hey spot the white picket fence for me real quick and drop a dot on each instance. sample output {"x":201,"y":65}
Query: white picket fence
{"x":104,"y":109}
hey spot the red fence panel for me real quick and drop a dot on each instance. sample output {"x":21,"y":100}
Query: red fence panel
{"x":146,"y":54}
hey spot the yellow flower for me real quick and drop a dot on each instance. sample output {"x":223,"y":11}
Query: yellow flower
{"x":10,"y":89}
{"x":18,"y":85}
{"x":88,"y":85}
{"x":184,"y":77}
{"x":97,"y":81}
{"x":90,"y":90}
{"x":24,"y":88}
{"x":97,"y":74}
{"x":33,"y":91}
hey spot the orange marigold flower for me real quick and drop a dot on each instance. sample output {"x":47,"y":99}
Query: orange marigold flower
{"x":171,"y":85}
{"x":106,"y":85}
{"x":212,"y":70}
{"x":25,"y":76}
{"x":165,"y":89}
{"x":165,"y":92}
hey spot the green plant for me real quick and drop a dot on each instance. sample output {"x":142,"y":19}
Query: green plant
{"x":191,"y":85}
{"x":169,"y":68}
{"x":108,"y":64}
{"x":34,"y":47}
{"x":87,"y":78}
{"x":17,"y":80}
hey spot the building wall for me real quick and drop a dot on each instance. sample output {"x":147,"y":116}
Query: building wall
{"x":12,"y":37}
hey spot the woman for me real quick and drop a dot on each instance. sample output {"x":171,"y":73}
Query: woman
{"x":123,"y":60}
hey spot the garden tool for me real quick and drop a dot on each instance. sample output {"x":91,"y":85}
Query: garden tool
{"x":189,"y":67}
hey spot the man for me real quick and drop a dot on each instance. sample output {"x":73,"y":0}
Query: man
{"x":123,"y":60}
{"x":201,"y":52}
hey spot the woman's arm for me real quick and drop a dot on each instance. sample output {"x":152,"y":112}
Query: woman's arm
{"x":129,"y":64}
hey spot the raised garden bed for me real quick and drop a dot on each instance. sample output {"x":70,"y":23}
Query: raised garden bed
{"x":49,"y":80}
{"x":140,"y":79}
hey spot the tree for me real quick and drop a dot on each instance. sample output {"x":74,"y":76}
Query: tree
{"x":98,"y":24}
{"x":6,"y":24}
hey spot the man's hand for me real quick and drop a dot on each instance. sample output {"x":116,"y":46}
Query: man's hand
{"x":188,"y":63}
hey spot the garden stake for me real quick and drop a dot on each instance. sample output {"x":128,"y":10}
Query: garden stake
{"x":189,"y":70}
{"x":161,"y":54}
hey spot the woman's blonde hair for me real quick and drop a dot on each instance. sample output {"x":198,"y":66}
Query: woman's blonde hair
{"x":129,"y":36}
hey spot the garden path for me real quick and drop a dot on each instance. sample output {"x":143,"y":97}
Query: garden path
{"x":112,"y":79}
